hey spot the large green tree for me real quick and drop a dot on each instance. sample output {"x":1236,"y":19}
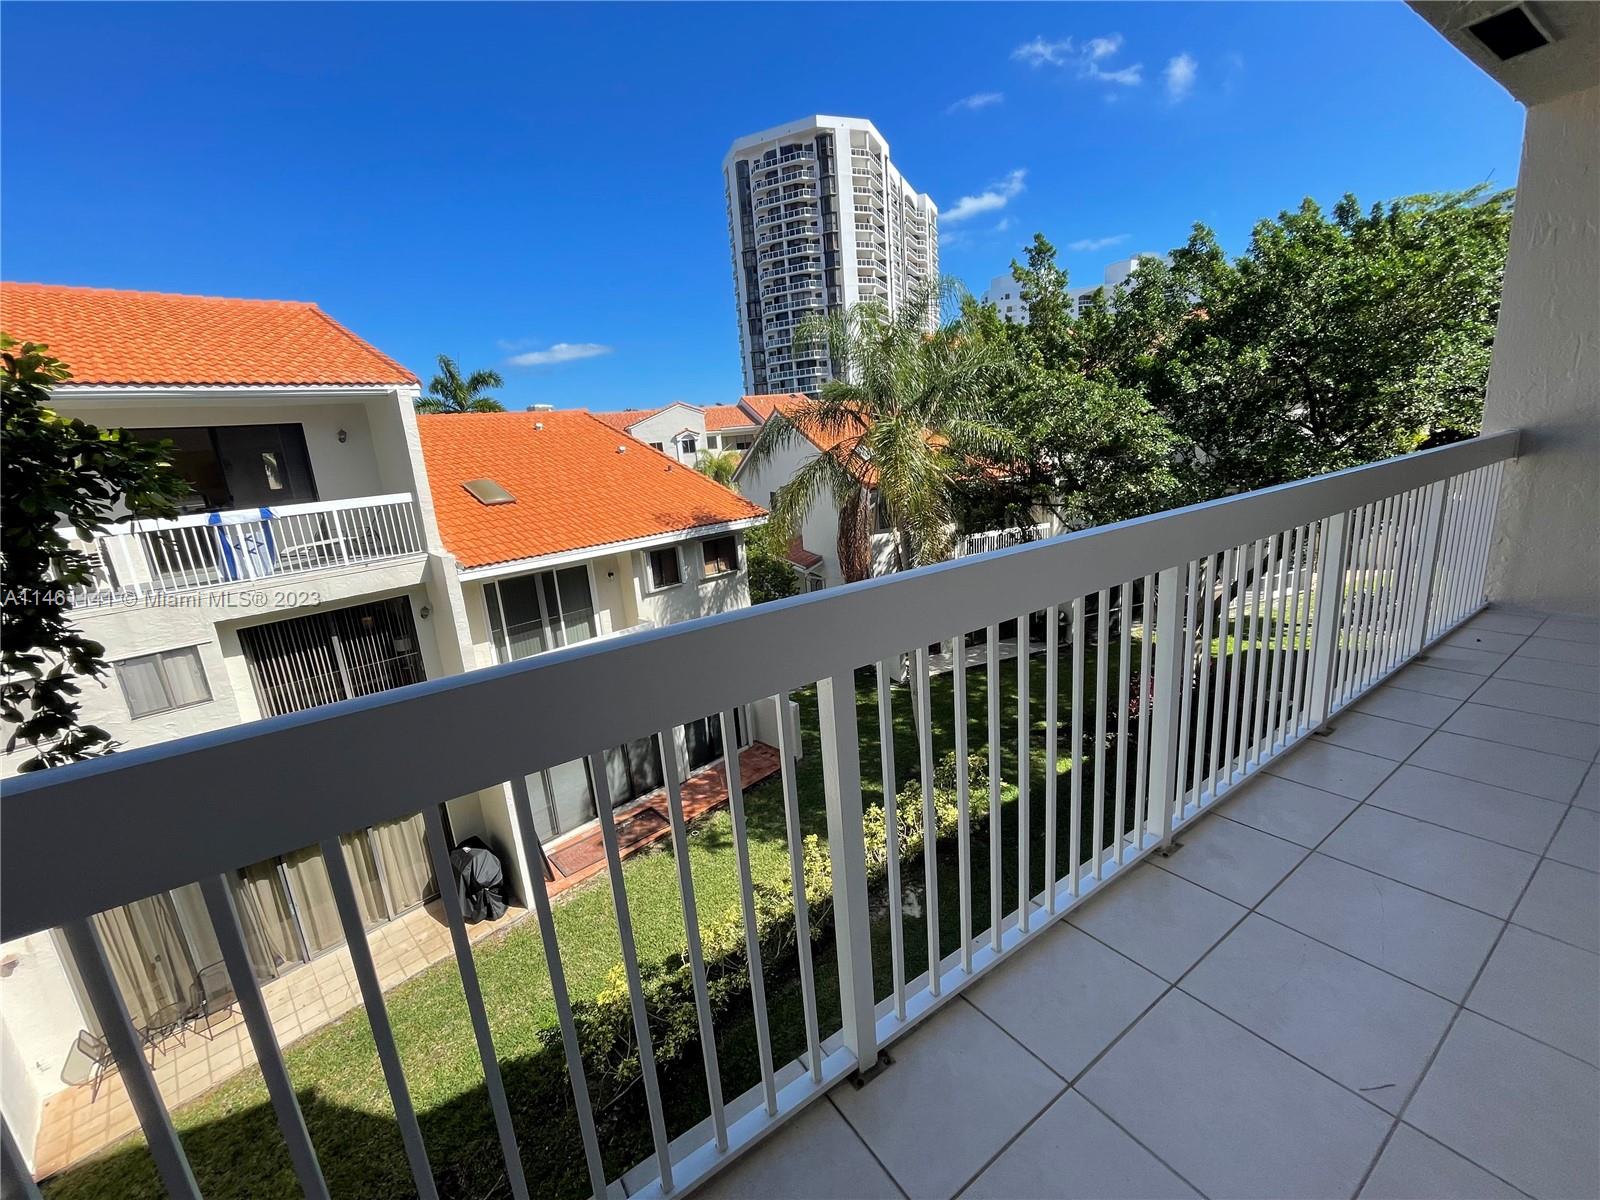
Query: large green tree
{"x":58,"y":472}
{"x":1086,"y":447}
{"x":451,"y":392}
{"x":901,"y":420}
{"x":1333,"y":340}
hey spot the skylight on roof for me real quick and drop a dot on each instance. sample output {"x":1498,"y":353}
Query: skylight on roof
{"x":487,"y":491}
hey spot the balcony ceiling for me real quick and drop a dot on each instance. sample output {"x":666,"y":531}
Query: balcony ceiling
{"x":1570,"y":64}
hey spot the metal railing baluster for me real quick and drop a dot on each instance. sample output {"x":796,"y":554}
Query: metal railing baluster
{"x":691,"y":934}
{"x":930,"y":816}
{"x":630,"y":961}
{"x":1024,"y":772}
{"x":355,"y":935}
{"x":522,"y":814}
{"x":891,"y":823}
{"x":797,"y":883}
{"x":958,"y":668}
{"x":996,"y":826}
{"x":89,"y":954}
{"x":218,"y":895}
{"x":841,"y":783}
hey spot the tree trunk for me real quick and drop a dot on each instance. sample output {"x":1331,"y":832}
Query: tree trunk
{"x":855,"y":537}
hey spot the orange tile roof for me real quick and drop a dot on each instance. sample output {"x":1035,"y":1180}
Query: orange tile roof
{"x":118,"y":337}
{"x":624,"y":418}
{"x":764,"y":403}
{"x":801,"y":557}
{"x":729,"y":416}
{"x":573,"y":490}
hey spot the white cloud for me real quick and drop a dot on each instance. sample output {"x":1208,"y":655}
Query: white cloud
{"x":561,"y":352}
{"x":1180,"y":75}
{"x":1102,"y":47}
{"x":996,"y":196}
{"x":1039,"y":52}
{"x":1002,"y":225}
{"x":1089,"y":59}
{"x":1127,"y":76}
{"x":1084,"y":245}
{"x":976,"y":101}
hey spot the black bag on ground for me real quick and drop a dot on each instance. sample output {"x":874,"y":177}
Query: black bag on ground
{"x":480,"y":882}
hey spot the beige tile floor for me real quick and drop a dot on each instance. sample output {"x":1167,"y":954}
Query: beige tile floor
{"x":75,"y":1124}
{"x":1371,"y":972}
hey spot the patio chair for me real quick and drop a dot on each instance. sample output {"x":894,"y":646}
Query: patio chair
{"x":87,"y":1062}
{"x":211,"y":992}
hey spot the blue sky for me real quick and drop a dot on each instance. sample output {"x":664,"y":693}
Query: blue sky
{"x":496,"y":181}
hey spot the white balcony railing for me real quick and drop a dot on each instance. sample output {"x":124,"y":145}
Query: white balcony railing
{"x":997,"y":539}
{"x":245,"y":545}
{"x":1256,"y":617}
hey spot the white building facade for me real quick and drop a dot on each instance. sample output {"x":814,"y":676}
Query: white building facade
{"x":819,"y":218}
{"x":328,"y":550}
{"x":1005,"y":293}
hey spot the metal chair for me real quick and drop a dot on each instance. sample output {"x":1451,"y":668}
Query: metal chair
{"x":212,"y":992}
{"x":87,"y":1062}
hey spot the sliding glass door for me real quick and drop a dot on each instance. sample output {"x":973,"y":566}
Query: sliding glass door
{"x":529,"y":614}
{"x":703,"y":738}
{"x":307,"y":661}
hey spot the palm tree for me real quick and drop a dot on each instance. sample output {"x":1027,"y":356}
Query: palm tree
{"x":900,"y":424}
{"x":449,"y":393}
{"x":718,"y":465}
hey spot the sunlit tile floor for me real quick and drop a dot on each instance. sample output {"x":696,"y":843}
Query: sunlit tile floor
{"x":1371,"y":972}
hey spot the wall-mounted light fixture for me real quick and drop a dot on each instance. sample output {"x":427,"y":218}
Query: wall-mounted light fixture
{"x":343,"y":437}
{"x":425,"y":612}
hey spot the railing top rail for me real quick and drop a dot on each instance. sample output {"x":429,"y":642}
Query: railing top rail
{"x":150,"y":524}
{"x":277,"y":510}
{"x":218,"y":800}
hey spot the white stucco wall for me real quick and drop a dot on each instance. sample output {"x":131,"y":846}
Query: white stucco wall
{"x":819,"y":532}
{"x":341,"y":470}
{"x":697,"y":596}
{"x":42,"y":1017}
{"x":1545,"y":378}
{"x":20,"y":1101}
{"x":667,"y":424}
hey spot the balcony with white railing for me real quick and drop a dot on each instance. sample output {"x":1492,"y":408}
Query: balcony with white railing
{"x":246,"y":546}
{"x":1064,"y":972}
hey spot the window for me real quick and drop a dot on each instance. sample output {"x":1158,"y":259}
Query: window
{"x":720,"y":554}
{"x":529,"y":614}
{"x":665,"y":569}
{"x":158,"y":683}
{"x":688,"y":445}
{"x":661,"y":446}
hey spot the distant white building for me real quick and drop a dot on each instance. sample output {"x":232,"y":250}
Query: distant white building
{"x":1117,"y":274}
{"x":1005,"y":293}
{"x":819,"y":219}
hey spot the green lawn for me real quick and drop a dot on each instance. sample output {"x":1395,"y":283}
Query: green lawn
{"x":231,"y":1135}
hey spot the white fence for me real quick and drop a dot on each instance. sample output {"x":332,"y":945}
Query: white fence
{"x":1240,"y":625}
{"x":998,"y":539}
{"x":225,"y":548}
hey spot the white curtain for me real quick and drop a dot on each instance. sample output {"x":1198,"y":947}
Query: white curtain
{"x":404,"y":848}
{"x":186,"y":679}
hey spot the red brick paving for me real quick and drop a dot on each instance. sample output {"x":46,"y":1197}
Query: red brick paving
{"x":647,"y":821}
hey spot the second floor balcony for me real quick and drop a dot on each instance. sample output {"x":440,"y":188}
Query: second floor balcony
{"x":243,"y":547}
{"x":1138,"y":776}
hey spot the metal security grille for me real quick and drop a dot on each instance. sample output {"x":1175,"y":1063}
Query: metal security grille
{"x":306,"y":661}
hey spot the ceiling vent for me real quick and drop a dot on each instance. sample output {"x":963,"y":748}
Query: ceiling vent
{"x":1510,"y":33}
{"x":487,"y":491}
